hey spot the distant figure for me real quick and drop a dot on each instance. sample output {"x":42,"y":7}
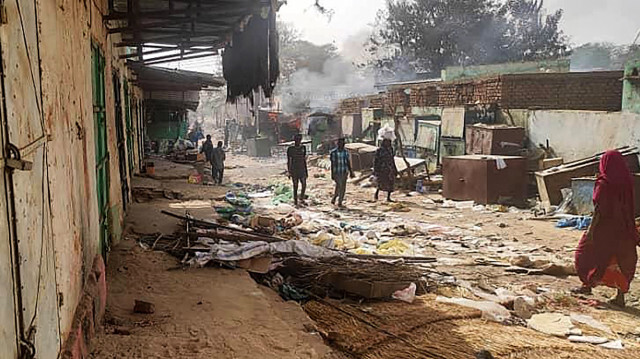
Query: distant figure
{"x":384,"y":168}
{"x":297,"y":167}
{"x":226,"y":133}
{"x":207,"y":149}
{"x":340,"y":169}
{"x":217,"y":163}
{"x":606,"y":254}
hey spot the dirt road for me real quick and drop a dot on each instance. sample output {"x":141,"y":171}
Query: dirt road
{"x":216,"y":313}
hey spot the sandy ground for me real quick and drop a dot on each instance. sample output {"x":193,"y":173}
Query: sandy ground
{"x":199,"y":313}
{"x":223,"y":314}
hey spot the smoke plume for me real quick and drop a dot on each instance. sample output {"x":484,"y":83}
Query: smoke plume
{"x":322,"y":91}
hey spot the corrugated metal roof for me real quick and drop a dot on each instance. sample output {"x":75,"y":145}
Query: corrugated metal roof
{"x":196,"y":27}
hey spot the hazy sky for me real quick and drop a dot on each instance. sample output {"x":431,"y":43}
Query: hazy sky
{"x":584,"y":20}
{"x":615,"y":21}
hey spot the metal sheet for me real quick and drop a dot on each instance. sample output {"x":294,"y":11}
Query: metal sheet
{"x":451,"y":147}
{"x":428,"y":135}
{"x":347,"y":125}
{"x":407,"y":131}
{"x":453,"y":122}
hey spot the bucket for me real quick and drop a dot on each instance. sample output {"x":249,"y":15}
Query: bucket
{"x":150,"y":168}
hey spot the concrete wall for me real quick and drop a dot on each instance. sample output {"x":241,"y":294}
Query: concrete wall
{"x":578,"y":134}
{"x":58,"y":221}
{"x":631,"y":87}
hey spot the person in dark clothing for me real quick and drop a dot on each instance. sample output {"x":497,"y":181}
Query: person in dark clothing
{"x":217,"y":163}
{"x":297,"y":167}
{"x":384,"y":168}
{"x":207,"y":149}
{"x":340,"y":169}
{"x":226,"y":133}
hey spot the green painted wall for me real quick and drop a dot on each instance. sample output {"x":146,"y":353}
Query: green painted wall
{"x":631,"y":87}
{"x":418,"y":111}
{"x":167,"y":130}
{"x":453,"y":73}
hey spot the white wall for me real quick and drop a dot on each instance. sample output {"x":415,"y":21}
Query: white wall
{"x":578,"y":134}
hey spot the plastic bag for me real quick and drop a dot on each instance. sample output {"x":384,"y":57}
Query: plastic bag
{"x":406,"y":295}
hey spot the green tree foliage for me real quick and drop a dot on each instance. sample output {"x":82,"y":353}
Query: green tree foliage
{"x":428,"y":35}
{"x":297,"y":54}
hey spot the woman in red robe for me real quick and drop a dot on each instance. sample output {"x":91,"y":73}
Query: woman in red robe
{"x":606,"y":254}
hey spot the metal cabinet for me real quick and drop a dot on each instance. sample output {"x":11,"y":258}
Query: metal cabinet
{"x":494,"y":140}
{"x":485,"y":179}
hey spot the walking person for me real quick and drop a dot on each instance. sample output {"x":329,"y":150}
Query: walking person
{"x":340,"y":169}
{"x":217,"y":162}
{"x":384,"y":168}
{"x":606,"y":254}
{"x":207,"y":149}
{"x":297,"y":168}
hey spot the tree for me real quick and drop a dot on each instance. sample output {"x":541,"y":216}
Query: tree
{"x":297,"y":54}
{"x":429,"y":35}
{"x":531,"y":35}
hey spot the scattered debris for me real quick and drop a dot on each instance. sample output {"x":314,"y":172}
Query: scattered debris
{"x":587,"y":339}
{"x":555,"y":324}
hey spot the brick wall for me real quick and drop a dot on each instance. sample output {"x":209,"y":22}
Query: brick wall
{"x":592,"y":91}
{"x":424,"y":96}
{"x":595,"y":91}
{"x":486,"y":91}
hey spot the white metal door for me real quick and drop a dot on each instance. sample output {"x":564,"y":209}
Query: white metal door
{"x":27,"y":132}
{"x":8,"y":329}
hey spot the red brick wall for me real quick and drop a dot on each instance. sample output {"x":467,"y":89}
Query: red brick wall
{"x":596,"y":91}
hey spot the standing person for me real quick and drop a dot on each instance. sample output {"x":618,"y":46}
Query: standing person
{"x":340,"y":169}
{"x":384,"y":168}
{"x":606,"y":254}
{"x":207,"y":149}
{"x":217,"y":162}
{"x":297,"y":167}
{"x":226,"y":133}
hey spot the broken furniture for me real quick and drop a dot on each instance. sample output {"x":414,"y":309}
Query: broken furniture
{"x":361,"y":155}
{"x":485,"y":179}
{"x":503,"y":140}
{"x":552,"y":181}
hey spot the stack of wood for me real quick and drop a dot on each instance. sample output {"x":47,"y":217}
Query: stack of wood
{"x":553,"y":180}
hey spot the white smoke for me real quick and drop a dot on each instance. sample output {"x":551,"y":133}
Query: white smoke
{"x":309,"y":91}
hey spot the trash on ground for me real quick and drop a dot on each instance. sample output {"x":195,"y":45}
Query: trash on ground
{"x":555,"y":324}
{"x":587,"y":339}
{"x":406,"y":295}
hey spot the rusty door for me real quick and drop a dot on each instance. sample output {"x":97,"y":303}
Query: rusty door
{"x":27,"y":191}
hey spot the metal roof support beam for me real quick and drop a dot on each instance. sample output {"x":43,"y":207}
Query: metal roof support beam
{"x":178,"y":58}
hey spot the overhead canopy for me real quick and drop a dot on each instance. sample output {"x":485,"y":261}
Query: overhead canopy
{"x":188,"y":28}
{"x":173,"y":89}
